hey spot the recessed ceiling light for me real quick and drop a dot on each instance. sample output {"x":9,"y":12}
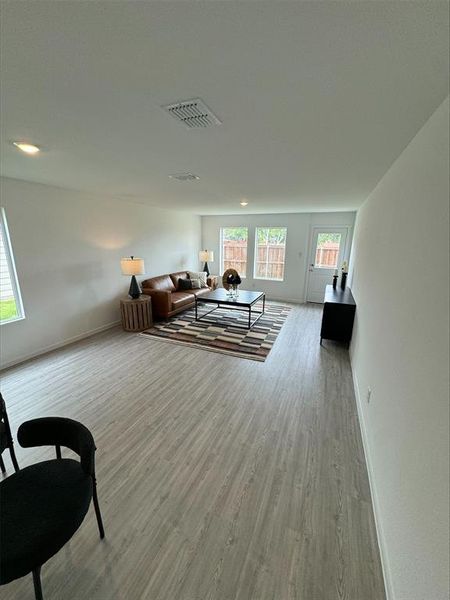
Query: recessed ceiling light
{"x":243,"y":203}
{"x":27,"y":148}
{"x":184,"y":176}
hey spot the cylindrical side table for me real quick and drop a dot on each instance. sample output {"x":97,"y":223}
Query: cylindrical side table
{"x":136,"y":313}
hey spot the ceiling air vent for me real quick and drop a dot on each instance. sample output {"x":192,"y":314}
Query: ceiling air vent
{"x":184,"y":176}
{"x":193,"y":113}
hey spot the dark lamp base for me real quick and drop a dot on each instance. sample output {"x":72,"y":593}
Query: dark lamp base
{"x":135,"y":290}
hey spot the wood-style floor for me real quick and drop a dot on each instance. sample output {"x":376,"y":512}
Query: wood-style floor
{"x":219,"y":478}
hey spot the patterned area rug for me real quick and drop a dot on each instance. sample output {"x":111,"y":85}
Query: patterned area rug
{"x":223,"y":335}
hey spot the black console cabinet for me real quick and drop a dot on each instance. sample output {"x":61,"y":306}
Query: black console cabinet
{"x":338,"y":315}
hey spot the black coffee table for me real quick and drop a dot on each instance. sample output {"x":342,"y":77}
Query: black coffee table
{"x":244,"y":301}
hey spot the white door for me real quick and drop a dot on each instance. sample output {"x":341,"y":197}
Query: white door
{"x":328,"y":252}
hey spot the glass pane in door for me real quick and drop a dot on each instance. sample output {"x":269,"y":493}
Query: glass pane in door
{"x":327,"y":250}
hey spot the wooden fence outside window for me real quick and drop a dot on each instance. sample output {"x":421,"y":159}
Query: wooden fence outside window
{"x":235,"y":256}
{"x":269,"y":260}
{"x":327,"y":255}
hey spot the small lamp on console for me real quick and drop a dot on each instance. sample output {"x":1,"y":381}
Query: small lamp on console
{"x":133,"y":266}
{"x":205,"y":256}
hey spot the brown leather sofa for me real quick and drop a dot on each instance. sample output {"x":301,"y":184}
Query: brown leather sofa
{"x":166,"y":299}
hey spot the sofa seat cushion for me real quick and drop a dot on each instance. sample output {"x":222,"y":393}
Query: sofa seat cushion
{"x":180,"y":299}
{"x":200,"y":292}
{"x":163,"y":282}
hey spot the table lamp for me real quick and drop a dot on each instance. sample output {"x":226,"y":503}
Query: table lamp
{"x":205,"y":256}
{"x":133,"y":266}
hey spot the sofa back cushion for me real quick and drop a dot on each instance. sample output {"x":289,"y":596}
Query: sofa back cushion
{"x":176,"y":276}
{"x":162,"y":282}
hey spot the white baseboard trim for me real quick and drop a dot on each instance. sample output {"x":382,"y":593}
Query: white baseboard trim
{"x":61,"y":344}
{"x":373,"y":493}
{"x":290,"y":300}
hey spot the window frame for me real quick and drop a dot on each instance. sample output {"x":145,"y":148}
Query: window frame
{"x":222,"y":253}
{"x":255,"y":254}
{"x":11,"y":269}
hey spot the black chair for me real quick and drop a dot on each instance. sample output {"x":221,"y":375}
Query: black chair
{"x":43,"y":505}
{"x":6,"y":440}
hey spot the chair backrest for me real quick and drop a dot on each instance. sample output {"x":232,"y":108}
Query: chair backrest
{"x":5,"y":431}
{"x":60,"y":431}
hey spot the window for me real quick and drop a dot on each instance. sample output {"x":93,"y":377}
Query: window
{"x":11,"y":307}
{"x":234,"y":249}
{"x":270,"y":253}
{"x":327,"y":250}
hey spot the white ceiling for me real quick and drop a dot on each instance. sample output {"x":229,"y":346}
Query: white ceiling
{"x":317,"y":98}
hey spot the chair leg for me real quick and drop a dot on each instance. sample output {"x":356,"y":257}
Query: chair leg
{"x":14,"y":459}
{"x":2,"y":465}
{"x":97,"y":511}
{"x":37,"y":584}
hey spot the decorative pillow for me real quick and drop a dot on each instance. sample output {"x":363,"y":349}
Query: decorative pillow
{"x":184,"y":284}
{"x":196,"y":284}
{"x":202,"y":275}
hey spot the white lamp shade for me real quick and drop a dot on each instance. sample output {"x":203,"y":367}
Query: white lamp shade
{"x":132,"y":266}
{"x":206,"y":255}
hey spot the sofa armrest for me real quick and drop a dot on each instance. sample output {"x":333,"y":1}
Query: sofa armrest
{"x":161,"y":301}
{"x":212,"y":281}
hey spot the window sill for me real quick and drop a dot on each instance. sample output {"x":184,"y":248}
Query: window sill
{"x":6,"y":321}
{"x":268,"y":279}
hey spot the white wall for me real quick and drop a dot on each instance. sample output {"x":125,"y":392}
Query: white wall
{"x":67,"y":248}
{"x":293,"y":288}
{"x":400,"y":349}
